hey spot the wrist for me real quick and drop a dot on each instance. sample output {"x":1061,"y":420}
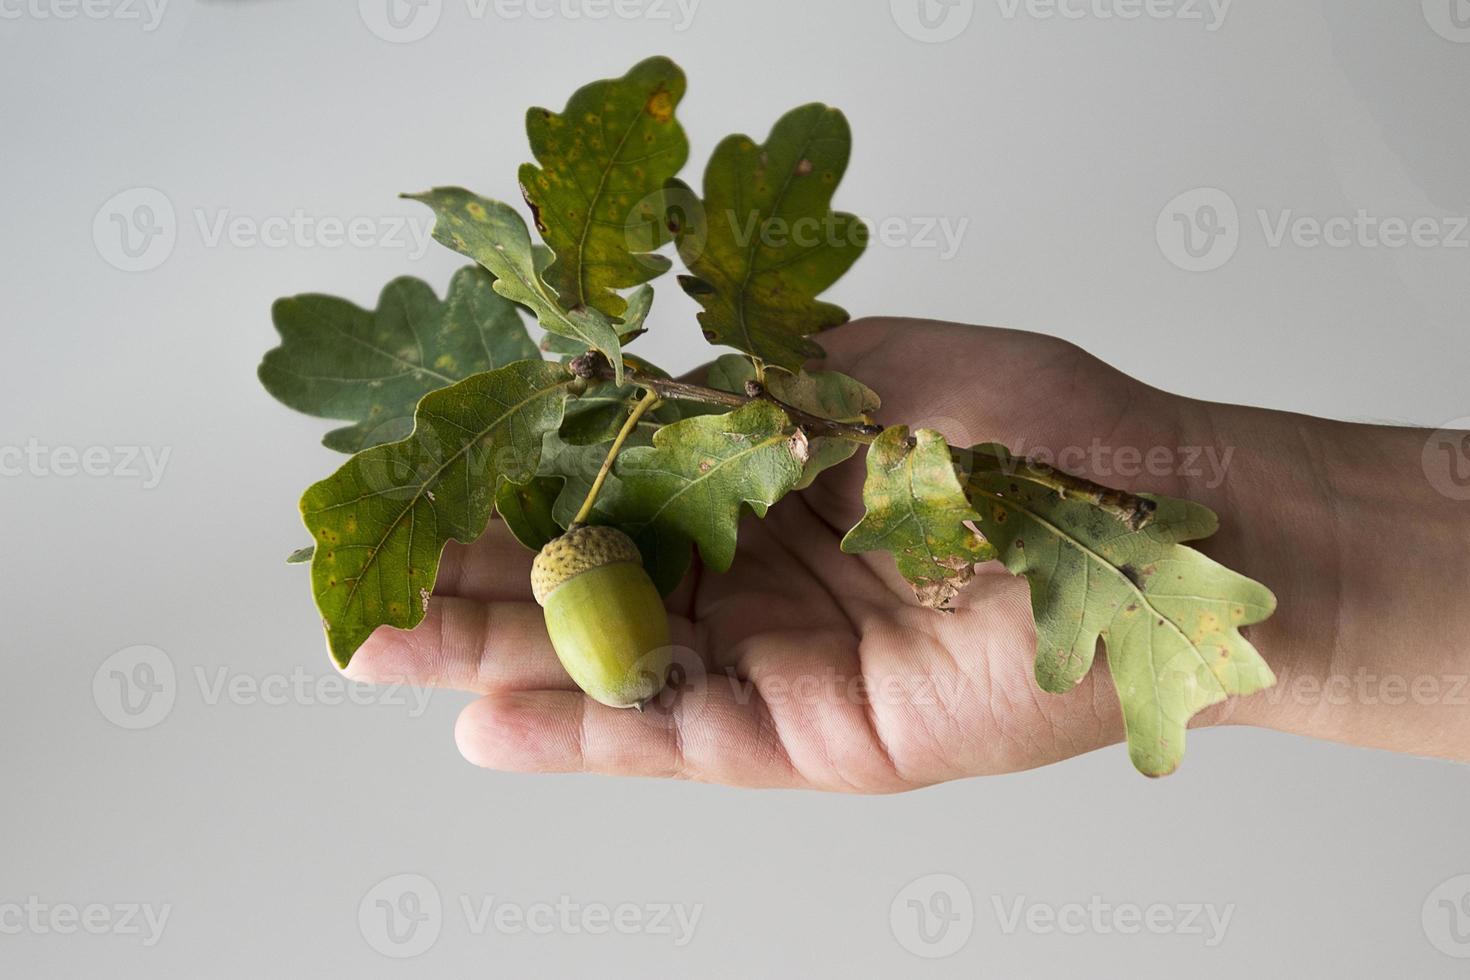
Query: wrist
{"x":1368,"y":561}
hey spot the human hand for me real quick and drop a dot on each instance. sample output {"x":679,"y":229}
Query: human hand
{"x":805,"y":667}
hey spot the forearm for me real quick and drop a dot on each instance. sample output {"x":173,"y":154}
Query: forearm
{"x":1370,"y":562}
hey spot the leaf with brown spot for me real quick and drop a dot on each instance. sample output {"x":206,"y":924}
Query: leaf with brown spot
{"x":1168,"y":616}
{"x":763,"y":242}
{"x":917,"y":510}
{"x":382,"y":520}
{"x":494,"y":235}
{"x":597,"y":194}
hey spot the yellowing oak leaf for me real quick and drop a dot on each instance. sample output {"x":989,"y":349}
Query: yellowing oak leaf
{"x":494,"y":235}
{"x":597,"y":195}
{"x":382,"y":520}
{"x":917,"y":509}
{"x":763,"y":241}
{"x":1168,"y":616}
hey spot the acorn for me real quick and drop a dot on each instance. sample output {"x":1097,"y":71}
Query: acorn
{"x":606,"y":618}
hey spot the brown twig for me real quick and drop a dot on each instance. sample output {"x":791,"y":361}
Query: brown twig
{"x":1132,"y":509}
{"x":594,"y":365}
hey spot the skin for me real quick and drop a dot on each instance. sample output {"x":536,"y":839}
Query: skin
{"x":780,"y":649}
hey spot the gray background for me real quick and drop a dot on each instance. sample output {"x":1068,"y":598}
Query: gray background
{"x":264,"y":825}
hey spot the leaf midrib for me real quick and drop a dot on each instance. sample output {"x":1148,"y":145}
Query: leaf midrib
{"x":612,"y":162}
{"x":776,"y":203}
{"x":1143,"y":596}
{"x":433,"y":480}
{"x":763,"y":444}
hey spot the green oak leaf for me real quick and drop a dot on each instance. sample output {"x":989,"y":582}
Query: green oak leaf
{"x":1168,"y":616}
{"x":630,"y":329}
{"x":604,"y":161}
{"x":577,"y":465}
{"x":917,"y":509}
{"x":494,"y":235}
{"x":301,"y":555}
{"x":666,"y":556}
{"x":596,"y":415}
{"x":690,"y":485}
{"x":764,"y":241}
{"x":381,"y":521}
{"x":830,"y":394}
{"x":339,"y":361}
{"x":526,"y":510}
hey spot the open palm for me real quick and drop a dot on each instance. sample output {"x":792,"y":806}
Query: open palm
{"x":804,"y":666}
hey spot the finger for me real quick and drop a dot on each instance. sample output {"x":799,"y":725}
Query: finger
{"x":466,"y":645}
{"x":720,"y":740}
{"x":494,"y":568}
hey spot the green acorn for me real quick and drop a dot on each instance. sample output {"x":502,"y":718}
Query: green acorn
{"x":606,"y":619}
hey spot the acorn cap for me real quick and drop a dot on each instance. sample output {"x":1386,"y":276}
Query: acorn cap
{"x":576,"y":552}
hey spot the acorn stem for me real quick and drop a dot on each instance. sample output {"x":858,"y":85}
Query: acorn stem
{"x":644,"y":404}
